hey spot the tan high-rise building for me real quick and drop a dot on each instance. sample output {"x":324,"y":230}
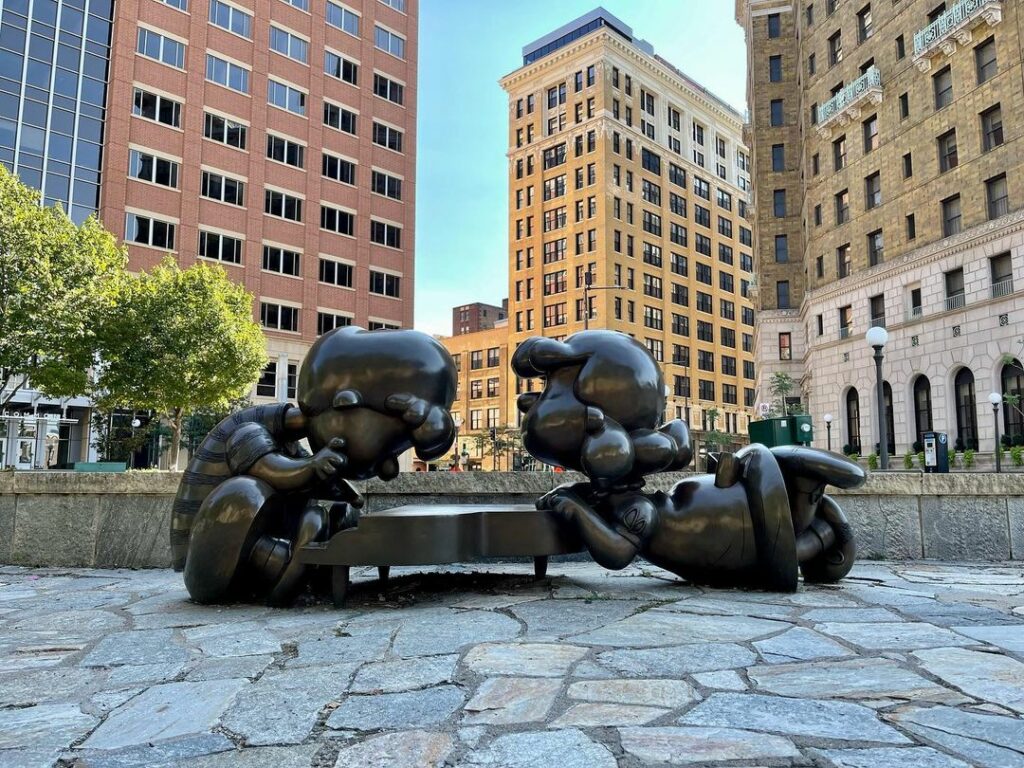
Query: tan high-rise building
{"x":628,"y":191}
{"x":485,"y":400}
{"x":887,"y":152}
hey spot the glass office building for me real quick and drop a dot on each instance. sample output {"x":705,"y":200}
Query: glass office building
{"x":54,"y":60}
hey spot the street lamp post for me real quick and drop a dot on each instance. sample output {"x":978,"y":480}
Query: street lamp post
{"x":588,"y":286}
{"x":877,"y":337}
{"x":996,"y":399}
{"x":828,"y":429}
{"x":686,"y":392}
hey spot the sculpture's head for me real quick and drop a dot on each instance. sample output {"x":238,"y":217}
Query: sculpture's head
{"x":599,"y":411}
{"x":384,"y":392}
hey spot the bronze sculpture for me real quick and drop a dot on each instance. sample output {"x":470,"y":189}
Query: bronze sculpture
{"x":248,"y":500}
{"x":755,"y":522}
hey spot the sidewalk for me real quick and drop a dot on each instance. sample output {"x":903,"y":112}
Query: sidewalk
{"x":901,"y":665}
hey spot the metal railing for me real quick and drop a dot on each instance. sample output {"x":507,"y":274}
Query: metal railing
{"x":878,"y":321}
{"x":915,"y":313}
{"x":956,"y":301}
{"x":949,"y":23}
{"x":1002,"y":288}
{"x":844,"y":332}
{"x":863,"y":87}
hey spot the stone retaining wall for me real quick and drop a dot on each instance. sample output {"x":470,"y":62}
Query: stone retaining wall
{"x":121,"y":520}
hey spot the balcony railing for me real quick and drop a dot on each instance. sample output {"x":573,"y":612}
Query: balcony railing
{"x":953,"y":27}
{"x":1002,"y":288}
{"x":956,"y":301}
{"x":914,"y":313}
{"x":844,"y":332}
{"x":878,"y":321}
{"x":846,"y":106}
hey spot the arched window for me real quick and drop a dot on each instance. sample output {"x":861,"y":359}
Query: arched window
{"x":966,"y":409}
{"x":890,"y":419}
{"x":1013,"y":385}
{"x":853,"y":420}
{"x":922,"y":407}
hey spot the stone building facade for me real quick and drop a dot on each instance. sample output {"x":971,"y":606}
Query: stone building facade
{"x":887,"y":151}
{"x":628,"y":186}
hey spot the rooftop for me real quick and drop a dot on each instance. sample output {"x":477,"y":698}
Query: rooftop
{"x":599,"y":18}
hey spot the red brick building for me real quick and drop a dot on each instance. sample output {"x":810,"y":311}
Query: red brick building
{"x":277,"y":138}
{"x":470,"y":318}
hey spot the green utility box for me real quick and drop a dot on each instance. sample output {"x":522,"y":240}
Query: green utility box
{"x":788,"y":430}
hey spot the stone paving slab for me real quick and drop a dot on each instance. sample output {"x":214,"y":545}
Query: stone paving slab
{"x":910,"y":666}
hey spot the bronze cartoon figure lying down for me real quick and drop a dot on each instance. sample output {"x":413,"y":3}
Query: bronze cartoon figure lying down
{"x":758,"y":520}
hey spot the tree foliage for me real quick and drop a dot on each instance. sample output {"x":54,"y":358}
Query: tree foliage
{"x":56,"y":283}
{"x":177,"y":341}
{"x":779,"y":387}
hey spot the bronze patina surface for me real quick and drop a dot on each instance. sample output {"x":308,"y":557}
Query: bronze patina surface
{"x":756,"y":522}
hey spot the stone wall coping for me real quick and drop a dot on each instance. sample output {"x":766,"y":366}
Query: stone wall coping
{"x":894,"y":483}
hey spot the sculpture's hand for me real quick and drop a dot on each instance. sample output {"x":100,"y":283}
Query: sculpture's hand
{"x":580,"y":491}
{"x":329,"y":460}
{"x":564,"y":503}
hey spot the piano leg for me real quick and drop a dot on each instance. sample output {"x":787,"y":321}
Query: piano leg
{"x":540,"y":566}
{"x":339,"y":585}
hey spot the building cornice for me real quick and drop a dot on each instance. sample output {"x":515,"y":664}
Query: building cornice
{"x":721,"y":111}
{"x":925,"y":255}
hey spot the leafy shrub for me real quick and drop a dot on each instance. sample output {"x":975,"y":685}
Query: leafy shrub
{"x":920,"y":459}
{"x":918,"y":446}
{"x":1017,"y":456}
{"x":968,"y":459}
{"x":1018,"y":441}
{"x":873,"y":461}
{"x":848,"y":450}
{"x":952,"y":458}
{"x":959,"y":445}
{"x":1006,"y":440}
{"x":908,"y":460}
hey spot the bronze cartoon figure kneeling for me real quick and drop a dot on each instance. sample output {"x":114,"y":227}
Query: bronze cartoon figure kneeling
{"x":758,"y":520}
{"x":250,"y":497}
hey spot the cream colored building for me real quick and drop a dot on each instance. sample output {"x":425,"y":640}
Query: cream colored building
{"x":626,"y":173}
{"x":887,"y":155}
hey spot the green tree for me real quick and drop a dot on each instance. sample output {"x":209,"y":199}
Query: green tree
{"x":178,"y":341}
{"x":779,"y":387}
{"x":713,"y":439}
{"x":56,"y":281}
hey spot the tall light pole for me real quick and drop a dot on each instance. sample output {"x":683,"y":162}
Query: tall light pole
{"x":996,"y":399}
{"x":686,"y":393}
{"x":588,"y":286}
{"x":876,"y":338}
{"x":828,"y":429}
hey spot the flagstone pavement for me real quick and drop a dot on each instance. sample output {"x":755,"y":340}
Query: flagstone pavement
{"x":915,"y":664}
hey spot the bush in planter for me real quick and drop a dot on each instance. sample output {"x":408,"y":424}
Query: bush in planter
{"x":1018,"y":441}
{"x":959,"y":445}
{"x":918,"y":446}
{"x":1017,"y":456}
{"x":873,"y":461}
{"x":1007,"y":441}
{"x":848,"y":450}
{"x":920,"y":459}
{"x":968,"y":459}
{"x":953,"y":458}
{"x":908,"y":460}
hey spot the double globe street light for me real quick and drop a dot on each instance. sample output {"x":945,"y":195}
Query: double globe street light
{"x":996,"y":399}
{"x":877,"y":338}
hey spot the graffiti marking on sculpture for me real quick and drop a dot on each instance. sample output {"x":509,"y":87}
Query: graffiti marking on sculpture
{"x":758,"y":520}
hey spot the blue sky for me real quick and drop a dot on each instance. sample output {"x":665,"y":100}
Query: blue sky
{"x":466,"y":46}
